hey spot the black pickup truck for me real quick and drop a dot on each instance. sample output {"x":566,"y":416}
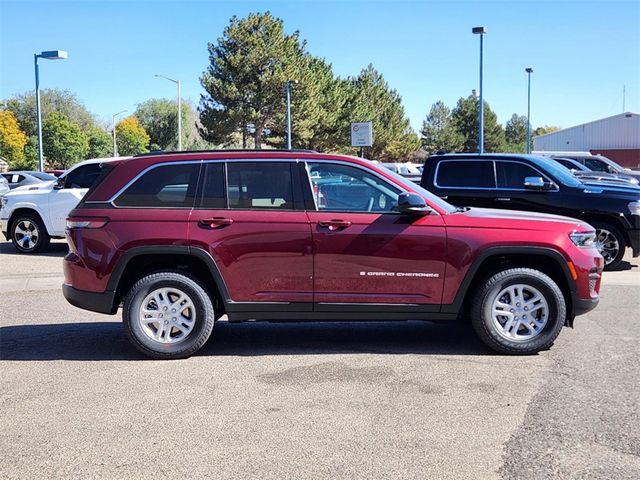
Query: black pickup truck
{"x":539,"y":184}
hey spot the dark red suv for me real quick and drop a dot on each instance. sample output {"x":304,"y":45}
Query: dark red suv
{"x":181,"y":239}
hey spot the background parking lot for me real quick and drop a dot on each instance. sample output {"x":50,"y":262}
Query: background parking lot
{"x":317,"y":400}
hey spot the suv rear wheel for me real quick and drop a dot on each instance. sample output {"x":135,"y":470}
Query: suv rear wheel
{"x":168,"y":315}
{"x":29,"y":234}
{"x":518,"y":311}
{"x":610,"y":243}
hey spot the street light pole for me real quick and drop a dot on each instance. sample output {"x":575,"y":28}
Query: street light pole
{"x":529,"y":71}
{"x":480,"y":31}
{"x":179,"y":84}
{"x":287,"y":87}
{"x":115,"y":147}
{"x":49,"y":55}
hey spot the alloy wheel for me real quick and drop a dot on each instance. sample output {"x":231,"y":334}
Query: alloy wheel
{"x":607,"y":245}
{"x":520,"y":312}
{"x":167,"y":315}
{"x":26,"y":234}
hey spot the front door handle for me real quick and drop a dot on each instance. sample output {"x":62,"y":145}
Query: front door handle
{"x":503,"y":199}
{"x":215,"y":222}
{"x":335,"y":224}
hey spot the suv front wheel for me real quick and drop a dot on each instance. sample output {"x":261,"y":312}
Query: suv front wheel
{"x":518,"y":311}
{"x":168,"y":315}
{"x":29,"y":234}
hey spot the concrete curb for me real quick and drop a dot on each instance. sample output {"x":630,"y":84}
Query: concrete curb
{"x":30,"y":283}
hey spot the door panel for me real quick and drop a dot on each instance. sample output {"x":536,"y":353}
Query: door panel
{"x":262,"y":256}
{"x":378,"y":258}
{"x":61,"y":202}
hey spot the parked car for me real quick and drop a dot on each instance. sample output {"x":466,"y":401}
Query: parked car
{"x":539,"y":184}
{"x":180,"y":239}
{"x":55,"y":173}
{"x":589,"y":176}
{"x":31,"y":215}
{"x":4,"y":186}
{"x":596,"y":163}
{"x":21,"y":179}
{"x":406,"y":169}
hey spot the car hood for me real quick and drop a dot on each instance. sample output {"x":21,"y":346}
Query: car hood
{"x":515,"y":219}
{"x":615,"y":190}
{"x":48,"y":185}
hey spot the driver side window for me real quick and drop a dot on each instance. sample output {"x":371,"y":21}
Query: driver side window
{"x":82,"y":177}
{"x":343,"y":188}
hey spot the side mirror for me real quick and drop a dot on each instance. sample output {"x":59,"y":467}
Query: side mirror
{"x":536,"y":183}
{"x":412,"y":204}
{"x":59,"y":183}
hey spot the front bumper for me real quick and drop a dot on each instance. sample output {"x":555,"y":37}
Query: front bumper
{"x":634,"y":238}
{"x":582,"y":306}
{"x":101,"y":302}
{"x":4,"y":226}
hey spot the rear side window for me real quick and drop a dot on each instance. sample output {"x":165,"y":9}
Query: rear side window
{"x":213,"y":196}
{"x":512,"y":174}
{"x":260,"y":185}
{"x":171,"y":186}
{"x":82,"y":177}
{"x":465,"y":174}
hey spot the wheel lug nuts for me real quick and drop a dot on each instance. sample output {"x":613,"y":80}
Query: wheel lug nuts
{"x":174,"y":319}
{"x":165,"y":309}
{"x":526,"y":308}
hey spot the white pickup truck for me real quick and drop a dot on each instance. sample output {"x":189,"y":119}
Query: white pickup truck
{"x":34,"y":214}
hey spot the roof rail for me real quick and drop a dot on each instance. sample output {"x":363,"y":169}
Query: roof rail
{"x":222,"y":150}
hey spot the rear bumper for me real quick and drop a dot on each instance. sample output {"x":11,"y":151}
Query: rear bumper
{"x":101,"y":302}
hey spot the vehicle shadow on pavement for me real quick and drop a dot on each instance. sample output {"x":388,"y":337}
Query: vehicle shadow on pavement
{"x":107,"y":340}
{"x":623,"y":266}
{"x":55,"y":249}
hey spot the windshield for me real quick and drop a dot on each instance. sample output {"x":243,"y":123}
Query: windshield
{"x":434,"y":199}
{"x":560,"y":172}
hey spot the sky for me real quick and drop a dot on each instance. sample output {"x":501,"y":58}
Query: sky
{"x":582,"y":52}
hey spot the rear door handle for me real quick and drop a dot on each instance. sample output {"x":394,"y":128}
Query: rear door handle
{"x":334,"y":225}
{"x":215,"y":222}
{"x":503,"y":199}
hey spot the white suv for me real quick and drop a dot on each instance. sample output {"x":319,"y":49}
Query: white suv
{"x":31,"y":215}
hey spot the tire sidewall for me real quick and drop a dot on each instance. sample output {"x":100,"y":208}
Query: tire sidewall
{"x":553,"y":297}
{"x":42,"y":234}
{"x":203,"y":309}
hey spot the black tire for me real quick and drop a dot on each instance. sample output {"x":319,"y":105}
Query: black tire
{"x":30,"y":244}
{"x":482,"y":305}
{"x":613,"y":262}
{"x":202,"y":326}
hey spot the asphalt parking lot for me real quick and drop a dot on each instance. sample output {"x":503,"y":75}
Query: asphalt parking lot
{"x":334,"y":400}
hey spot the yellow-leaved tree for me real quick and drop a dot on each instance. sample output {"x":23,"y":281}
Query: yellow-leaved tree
{"x":12,"y":139}
{"x":131,"y":137}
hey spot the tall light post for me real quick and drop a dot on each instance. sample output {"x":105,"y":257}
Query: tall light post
{"x":529,"y":71}
{"x":115,"y":147}
{"x":480,"y":31}
{"x":287,"y":86}
{"x":177,"y":82}
{"x":49,"y":55}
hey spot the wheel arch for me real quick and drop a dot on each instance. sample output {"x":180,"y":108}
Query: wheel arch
{"x":546,"y":260}
{"x":24,"y":210}
{"x":141,"y":261}
{"x":611,"y":220}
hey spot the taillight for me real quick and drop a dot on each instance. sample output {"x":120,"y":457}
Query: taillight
{"x":86,"y":222}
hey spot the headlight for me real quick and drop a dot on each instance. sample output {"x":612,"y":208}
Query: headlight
{"x":583,"y":239}
{"x":634,"y":208}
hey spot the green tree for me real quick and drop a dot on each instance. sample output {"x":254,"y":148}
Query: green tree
{"x":30,"y":161}
{"x":63,"y":102}
{"x":373,"y":100}
{"x":159,"y":117}
{"x":131,"y":138}
{"x":515,"y":131}
{"x":244,"y":82}
{"x":63,"y":142}
{"x":438,"y":131}
{"x":100,"y":143}
{"x":465,"y":120}
{"x":12,"y":139}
